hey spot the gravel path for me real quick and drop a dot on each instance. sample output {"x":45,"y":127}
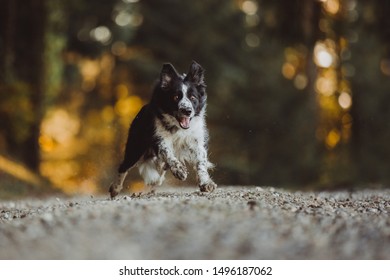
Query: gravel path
{"x":181,"y":223}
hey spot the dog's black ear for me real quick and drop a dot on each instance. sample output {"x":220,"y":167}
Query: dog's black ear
{"x":168,"y":73}
{"x":196,"y":75}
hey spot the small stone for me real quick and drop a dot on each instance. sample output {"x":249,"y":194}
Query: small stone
{"x":47,"y":218}
{"x":252,"y":204}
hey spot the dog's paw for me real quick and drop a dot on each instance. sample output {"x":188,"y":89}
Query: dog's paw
{"x":208,"y":187}
{"x":114,"y":190}
{"x":179,"y":171}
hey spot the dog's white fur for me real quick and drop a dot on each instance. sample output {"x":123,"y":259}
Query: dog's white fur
{"x":187,"y":146}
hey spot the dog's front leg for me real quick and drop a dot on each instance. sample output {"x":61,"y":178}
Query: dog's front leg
{"x":177,"y":168}
{"x":206,"y":184}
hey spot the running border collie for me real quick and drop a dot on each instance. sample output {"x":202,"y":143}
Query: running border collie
{"x":170,"y":132}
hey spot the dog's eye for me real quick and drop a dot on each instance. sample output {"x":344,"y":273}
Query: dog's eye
{"x":193,"y":98}
{"x":176,"y":98}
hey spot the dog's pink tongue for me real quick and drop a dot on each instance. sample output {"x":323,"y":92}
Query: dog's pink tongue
{"x":185,"y":122}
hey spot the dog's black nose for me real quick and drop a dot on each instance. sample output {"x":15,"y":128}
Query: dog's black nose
{"x":185,"y":111}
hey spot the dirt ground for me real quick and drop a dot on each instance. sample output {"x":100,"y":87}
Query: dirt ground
{"x":181,"y":223}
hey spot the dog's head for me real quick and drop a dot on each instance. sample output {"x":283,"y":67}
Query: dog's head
{"x":182,"y":96}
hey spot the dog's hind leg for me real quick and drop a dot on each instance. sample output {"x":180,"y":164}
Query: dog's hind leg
{"x":117,"y":185}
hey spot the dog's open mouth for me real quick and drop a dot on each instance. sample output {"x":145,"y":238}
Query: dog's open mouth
{"x":184,"y":122}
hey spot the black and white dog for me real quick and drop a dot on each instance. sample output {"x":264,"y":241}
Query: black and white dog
{"x":170,"y":131}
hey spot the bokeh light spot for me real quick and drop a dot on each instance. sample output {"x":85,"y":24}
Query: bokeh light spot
{"x":345,"y":100}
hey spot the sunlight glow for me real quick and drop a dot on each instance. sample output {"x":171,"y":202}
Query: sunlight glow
{"x":18,"y":171}
{"x":46,"y":143}
{"x":128,"y":107}
{"x":89,"y":69}
{"x":331,"y":6}
{"x":288,"y":70}
{"x":322,"y":56}
{"x":249,"y":7}
{"x":123,"y":18}
{"x":101,"y":34}
{"x":119,"y":48}
{"x":59,"y":125}
{"x":325,"y":86}
{"x":108,"y":114}
{"x":333,"y":138}
{"x":137,"y":186}
{"x":122,"y":91}
{"x":345,"y":100}
{"x":292,"y":56}
{"x":300,"y":81}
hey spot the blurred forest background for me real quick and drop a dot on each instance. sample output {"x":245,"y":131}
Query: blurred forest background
{"x":299,"y":90}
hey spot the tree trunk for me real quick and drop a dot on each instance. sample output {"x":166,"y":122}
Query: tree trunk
{"x":23,"y":30}
{"x":34,"y":14}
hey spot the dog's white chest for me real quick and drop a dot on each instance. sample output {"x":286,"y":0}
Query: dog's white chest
{"x":184,"y":142}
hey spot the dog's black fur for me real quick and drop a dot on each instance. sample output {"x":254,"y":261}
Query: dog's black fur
{"x":170,"y":131}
